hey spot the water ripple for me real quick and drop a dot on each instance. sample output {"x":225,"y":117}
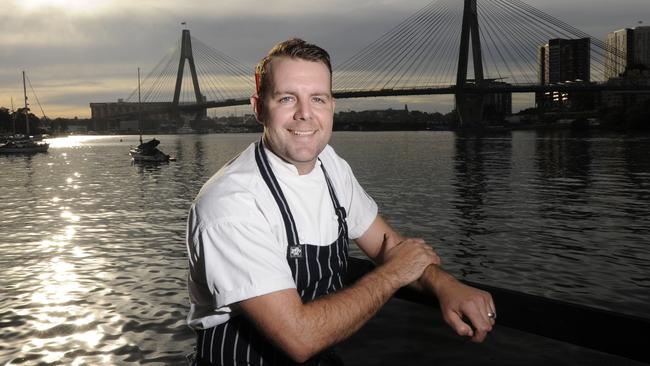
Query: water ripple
{"x":93,"y":252}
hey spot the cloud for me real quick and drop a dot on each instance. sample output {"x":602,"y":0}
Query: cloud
{"x":69,"y":45}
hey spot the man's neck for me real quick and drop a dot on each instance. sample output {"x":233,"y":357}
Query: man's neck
{"x":301,"y":168}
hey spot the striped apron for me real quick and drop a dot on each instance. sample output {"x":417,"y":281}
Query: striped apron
{"x":317,"y":271}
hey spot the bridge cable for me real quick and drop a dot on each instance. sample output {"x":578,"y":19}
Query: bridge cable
{"x":507,"y":40}
{"x":510,"y":41}
{"x":398,"y":55}
{"x":363,"y":60}
{"x":443,"y":39}
{"x":393,"y":49}
{"x":430,"y":24}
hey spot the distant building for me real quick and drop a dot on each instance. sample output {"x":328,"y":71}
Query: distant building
{"x":626,"y":99}
{"x":627,"y":48}
{"x":564,"y":61}
{"x":497,"y":105}
{"x":77,"y":128}
{"x":127,"y":110}
{"x":130,"y":126}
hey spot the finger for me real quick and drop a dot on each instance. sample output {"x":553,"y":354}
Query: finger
{"x":458,"y":325}
{"x":436,"y":259}
{"x":482,"y":327}
{"x":479,"y":336}
{"x":420,"y":241}
{"x":491,"y":312}
{"x":492,"y":306}
{"x":477,"y":314}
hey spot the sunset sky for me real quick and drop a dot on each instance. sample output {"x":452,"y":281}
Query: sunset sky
{"x":81,"y":51}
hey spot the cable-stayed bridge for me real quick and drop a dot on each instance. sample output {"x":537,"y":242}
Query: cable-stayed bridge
{"x":474,"y":50}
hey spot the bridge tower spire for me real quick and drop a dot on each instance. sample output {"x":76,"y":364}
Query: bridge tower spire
{"x":186,"y":54}
{"x":469,"y":105}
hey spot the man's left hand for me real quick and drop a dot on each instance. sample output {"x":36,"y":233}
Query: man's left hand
{"x":469,"y":311}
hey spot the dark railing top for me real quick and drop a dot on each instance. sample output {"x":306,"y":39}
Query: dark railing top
{"x":598,"y":329}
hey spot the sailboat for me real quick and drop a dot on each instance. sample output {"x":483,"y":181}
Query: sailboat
{"x":147,"y":151}
{"x":23,"y":144}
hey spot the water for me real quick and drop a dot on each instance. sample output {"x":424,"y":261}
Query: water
{"x":92,"y":247}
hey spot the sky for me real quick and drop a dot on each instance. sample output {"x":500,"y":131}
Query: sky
{"x":80,"y":51}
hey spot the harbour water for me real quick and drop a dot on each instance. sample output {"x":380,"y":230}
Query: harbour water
{"x":92,"y":248}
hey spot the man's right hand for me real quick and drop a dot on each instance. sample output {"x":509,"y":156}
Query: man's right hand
{"x":406,"y":260}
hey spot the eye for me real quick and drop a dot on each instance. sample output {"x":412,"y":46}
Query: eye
{"x":318,"y":99}
{"x":286,"y":99}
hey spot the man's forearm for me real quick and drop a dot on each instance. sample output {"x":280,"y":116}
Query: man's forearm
{"x":303,"y":330}
{"x":338,"y":315}
{"x":432,"y":279}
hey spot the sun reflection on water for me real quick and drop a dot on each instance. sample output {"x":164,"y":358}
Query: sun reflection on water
{"x":51,"y":357}
{"x":59,"y":316}
{"x":73,"y":141}
{"x":69,"y":215}
{"x":90,"y":338}
{"x":58,"y":283}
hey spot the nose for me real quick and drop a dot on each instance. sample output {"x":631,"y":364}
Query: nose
{"x":303,"y":110}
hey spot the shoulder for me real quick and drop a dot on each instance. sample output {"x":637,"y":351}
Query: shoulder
{"x":232,"y":192}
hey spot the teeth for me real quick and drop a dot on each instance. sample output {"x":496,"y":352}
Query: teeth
{"x":302,"y":133}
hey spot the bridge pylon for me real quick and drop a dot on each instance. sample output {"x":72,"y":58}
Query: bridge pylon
{"x":186,"y":54}
{"x":469,"y":105}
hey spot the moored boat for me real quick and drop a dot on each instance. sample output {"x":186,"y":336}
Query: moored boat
{"x":24,"y":144}
{"x":148,"y":152}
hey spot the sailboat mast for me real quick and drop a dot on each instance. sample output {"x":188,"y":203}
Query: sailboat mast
{"x":139,"y":107}
{"x":13,"y":117}
{"x":25,"y":110}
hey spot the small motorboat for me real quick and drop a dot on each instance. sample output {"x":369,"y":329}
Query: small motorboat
{"x":148,"y":152}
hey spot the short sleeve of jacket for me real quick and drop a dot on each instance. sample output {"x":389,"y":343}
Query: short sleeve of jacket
{"x":240,"y":255}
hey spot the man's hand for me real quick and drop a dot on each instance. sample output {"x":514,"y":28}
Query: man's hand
{"x":458,"y":301}
{"x":406,"y":261}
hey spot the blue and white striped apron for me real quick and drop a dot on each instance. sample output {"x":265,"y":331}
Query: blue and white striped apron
{"x":317,"y":271}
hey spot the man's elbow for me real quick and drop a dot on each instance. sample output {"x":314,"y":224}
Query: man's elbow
{"x":299,"y":351}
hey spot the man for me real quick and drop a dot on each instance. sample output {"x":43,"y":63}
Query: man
{"x":268,"y":236}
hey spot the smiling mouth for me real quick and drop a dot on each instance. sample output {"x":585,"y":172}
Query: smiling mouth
{"x":302,"y":133}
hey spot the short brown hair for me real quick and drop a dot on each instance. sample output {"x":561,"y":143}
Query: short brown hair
{"x":294,"y":48}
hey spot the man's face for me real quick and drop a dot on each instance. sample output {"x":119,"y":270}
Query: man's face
{"x":298,"y":111}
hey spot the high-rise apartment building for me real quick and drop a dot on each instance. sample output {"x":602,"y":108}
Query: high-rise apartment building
{"x":627,"y":48}
{"x":563,"y":61}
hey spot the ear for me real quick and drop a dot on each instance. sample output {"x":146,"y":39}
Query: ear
{"x":256,"y":103}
